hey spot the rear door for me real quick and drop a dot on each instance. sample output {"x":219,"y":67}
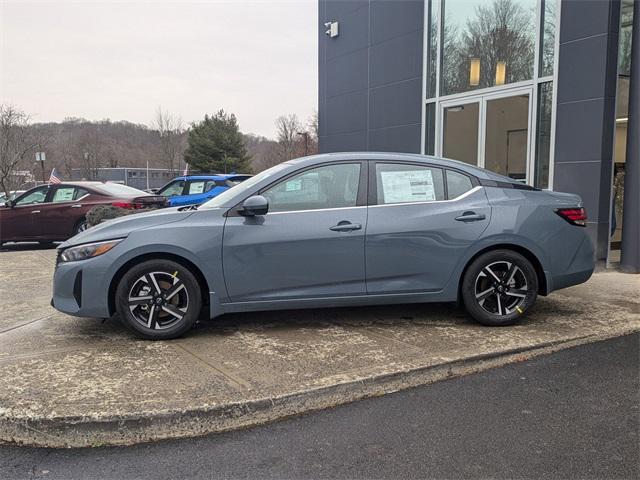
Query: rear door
{"x":309,"y":245}
{"x":63,"y":209}
{"x":421,"y":221}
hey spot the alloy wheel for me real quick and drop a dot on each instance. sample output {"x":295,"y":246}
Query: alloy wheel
{"x":501,"y":288}
{"x":158,"y":300}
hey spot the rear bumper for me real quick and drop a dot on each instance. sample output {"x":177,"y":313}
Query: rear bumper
{"x":579,"y":270}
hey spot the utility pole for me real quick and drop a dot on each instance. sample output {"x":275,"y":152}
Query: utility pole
{"x":40,"y":158}
{"x":305,"y":135}
{"x":630,"y":251}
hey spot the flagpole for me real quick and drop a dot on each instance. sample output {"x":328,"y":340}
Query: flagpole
{"x":147,"y":174}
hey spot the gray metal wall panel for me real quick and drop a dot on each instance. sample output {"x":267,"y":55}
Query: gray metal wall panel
{"x":385,"y":37}
{"x":395,"y":139}
{"x":585,"y":119}
{"x":395,"y":104}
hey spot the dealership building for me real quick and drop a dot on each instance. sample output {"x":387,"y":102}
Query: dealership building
{"x":538,"y":90}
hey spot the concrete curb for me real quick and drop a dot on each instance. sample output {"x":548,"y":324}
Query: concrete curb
{"x":153,"y":426}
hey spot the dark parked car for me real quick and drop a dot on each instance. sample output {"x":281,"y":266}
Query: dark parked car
{"x":50,"y":213}
{"x":332,"y":230}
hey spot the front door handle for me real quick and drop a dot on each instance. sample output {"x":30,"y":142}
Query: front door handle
{"x":471,"y":217}
{"x":345,"y":226}
{"x":76,"y":206}
{"x":35,"y":211}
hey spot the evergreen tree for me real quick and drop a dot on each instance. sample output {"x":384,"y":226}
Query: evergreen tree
{"x":216,"y":145}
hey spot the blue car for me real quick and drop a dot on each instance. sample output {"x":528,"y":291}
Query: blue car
{"x":332,"y":230}
{"x":197,"y":189}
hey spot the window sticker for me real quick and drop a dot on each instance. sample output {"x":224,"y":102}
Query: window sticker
{"x":196,"y":187}
{"x":408,"y":186}
{"x":293,"y":185}
{"x":63,"y":195}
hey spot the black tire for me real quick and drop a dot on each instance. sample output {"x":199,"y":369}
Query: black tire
{"x":156,"y":317}
{"x":499,"y":287}
{"x":80,"y":226}
{"x":46,"y":243}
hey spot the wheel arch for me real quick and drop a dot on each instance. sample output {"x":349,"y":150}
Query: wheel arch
{"x":525,"y":252}
{"x":113,"y":285}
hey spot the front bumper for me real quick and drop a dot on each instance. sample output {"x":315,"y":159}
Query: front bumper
{"x":79,"y":288}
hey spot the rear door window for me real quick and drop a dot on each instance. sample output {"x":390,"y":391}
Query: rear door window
{"x":63,"y":194}
{"x":406,"y":183}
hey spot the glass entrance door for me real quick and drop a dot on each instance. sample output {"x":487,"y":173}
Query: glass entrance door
{"x":491,"y":131}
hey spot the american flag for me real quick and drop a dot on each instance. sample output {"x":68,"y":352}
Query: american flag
{"x":53,"y":178}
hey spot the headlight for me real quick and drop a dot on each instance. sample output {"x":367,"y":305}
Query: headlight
{"x":88,"y":250}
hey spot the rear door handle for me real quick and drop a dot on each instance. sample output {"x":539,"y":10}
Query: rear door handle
{"x":345,"y":226}
{"x":471,"y":217}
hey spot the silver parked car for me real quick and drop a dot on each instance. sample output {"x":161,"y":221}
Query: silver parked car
{"x":332,"y":230}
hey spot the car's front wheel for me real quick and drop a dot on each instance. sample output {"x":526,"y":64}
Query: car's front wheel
{"x":499,"y":287}
{"x":159,"y":299}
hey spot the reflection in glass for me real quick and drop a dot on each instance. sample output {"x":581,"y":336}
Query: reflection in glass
{"x":432,"y":47}
{"x":548,"y":35}
{"x":430,"y":130}
{"x":543,"y":134}
{"x":507,"y":132}
{"x":491,"y":31}
{"x":460,"y":140}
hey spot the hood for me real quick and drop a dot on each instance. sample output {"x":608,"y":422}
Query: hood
{"x":123,"y":226}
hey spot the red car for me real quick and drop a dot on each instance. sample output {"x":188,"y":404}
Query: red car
{"x":50,"y":213}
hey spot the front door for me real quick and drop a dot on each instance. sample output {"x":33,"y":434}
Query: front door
{"x":310,"y":244}
{"x":21,"y":222}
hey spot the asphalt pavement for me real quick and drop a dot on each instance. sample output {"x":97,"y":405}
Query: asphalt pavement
{"x":573,"y":414}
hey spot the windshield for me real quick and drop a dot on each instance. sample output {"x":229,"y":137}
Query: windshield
{"x":117,"y":189}
{"x":225,"y":196}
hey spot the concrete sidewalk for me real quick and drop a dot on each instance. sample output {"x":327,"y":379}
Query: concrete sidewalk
{"x":75,"y":382}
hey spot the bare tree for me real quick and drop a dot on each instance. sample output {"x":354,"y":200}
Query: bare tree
{"x":172,"y":138}
{"x":287,"y":127}
{"x":17,"y":142}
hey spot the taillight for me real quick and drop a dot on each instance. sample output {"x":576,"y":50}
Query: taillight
{"x":575,"y":216}
{"x":127,"y":205}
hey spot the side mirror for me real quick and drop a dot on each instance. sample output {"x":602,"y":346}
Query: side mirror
{"x":9,"y":203}
{"x":256,"y":205}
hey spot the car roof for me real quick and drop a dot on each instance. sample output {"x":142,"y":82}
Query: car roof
{"x":215,"y":176}
{"x":407,"y":157}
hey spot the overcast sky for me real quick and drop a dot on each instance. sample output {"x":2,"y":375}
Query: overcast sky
{"x":122,"y":59}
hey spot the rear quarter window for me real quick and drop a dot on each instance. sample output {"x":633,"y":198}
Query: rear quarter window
{"x":457,"y":184}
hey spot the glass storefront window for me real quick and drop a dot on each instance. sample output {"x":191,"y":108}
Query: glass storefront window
{"x":547,"y":37}
{"x":432,"y":46}
{"x":543,"y":135}
{"x":486,"y":43}
{"x":507,"y":134}
{"x":460,"y":140}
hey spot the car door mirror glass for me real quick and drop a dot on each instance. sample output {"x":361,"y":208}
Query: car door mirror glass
{"x":255,"y":205}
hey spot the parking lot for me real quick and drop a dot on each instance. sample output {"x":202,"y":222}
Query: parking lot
{"x":68,"y":381}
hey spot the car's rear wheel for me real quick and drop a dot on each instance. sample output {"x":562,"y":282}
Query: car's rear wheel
{"x":499,"y":287}
{"x":159,"y":299}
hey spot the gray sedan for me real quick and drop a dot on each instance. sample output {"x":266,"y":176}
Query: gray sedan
{"x":332,"y":230}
